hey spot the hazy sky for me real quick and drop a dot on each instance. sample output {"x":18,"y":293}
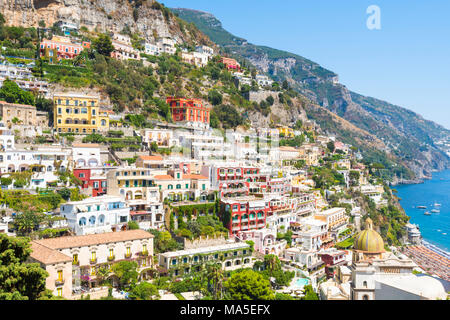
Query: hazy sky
{"x":406,"y":62}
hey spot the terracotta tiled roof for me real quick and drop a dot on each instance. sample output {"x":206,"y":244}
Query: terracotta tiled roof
{"x":18,"y":105}
{"x":151,"y":158}
{"x":163,"y":177}
{"x":47,"y":255}
{"x":194,"y":177}
{"x":94,"y":239}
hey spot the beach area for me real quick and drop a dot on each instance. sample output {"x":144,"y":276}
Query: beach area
{"x":428,"y":259}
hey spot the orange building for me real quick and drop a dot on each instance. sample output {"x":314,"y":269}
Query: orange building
{"x":231,"y":63}
{"x":189,"y":111}
{"x":63,"y":47}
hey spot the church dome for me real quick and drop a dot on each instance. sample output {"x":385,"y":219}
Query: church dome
{"x":369,"y":240}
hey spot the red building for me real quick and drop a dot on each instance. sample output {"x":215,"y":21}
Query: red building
{"x":246,"y":214}
{"x":189,"y":111}
{"x":91,"y":179}
{"x":231,"y":64}
{"x":331,"y":259}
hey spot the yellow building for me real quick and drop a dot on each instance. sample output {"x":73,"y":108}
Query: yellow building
{"x":79,"y":114}
{"x":286,"y":131}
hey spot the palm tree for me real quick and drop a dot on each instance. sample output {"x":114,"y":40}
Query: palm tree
{"x":214,"y":274}
{"x":102,"y":275}
{"x":26,"y":222}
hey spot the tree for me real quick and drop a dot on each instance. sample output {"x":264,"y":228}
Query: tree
{"x":214,"y":97}
{"x":103,"y":45}
{"x":64,"y":193}
{"x":270,"y":100}
{"x":10,"y":92}
{"x":228,"y":116}
{"x":285,"y":85}
{"x":309,"y":293}
{"x":214,"y":274}
{"x":19,"y":280}
{"x":133,"y":225}
{"x":154,"y":147}
{"x":248,"y":285}
{"x":144,"y":291}
{"x":126,"y":272}
{"x":330,"y":146}
{"x":27,"y":221}
{"x":103,"y":274}
{"x":272,"y":263}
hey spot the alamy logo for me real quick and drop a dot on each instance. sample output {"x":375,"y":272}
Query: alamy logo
{"x":374,"y":20}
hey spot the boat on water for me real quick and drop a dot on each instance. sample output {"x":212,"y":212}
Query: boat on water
{"x":435,"y":211}
{"x":427,"y":213}
{"x":421,"y":207}
{"x":437,"y":204}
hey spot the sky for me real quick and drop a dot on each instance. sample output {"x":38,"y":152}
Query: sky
{"x":405,"y":62}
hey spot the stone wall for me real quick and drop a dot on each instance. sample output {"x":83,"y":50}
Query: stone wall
{"x":204,"y":242}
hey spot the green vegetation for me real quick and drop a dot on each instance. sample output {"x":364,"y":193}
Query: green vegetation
{"x":20,"y":280}
{"x":249,"y":285}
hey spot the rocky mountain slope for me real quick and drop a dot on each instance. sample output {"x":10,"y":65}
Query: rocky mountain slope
{"x":405,"y":134}
{"x":148,"y":17}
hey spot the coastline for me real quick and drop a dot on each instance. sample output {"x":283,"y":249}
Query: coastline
{"x":430,"y":243}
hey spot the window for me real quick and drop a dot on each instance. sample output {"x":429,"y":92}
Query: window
{"x":60,"y":275}
{"x":59,"y":110}
{"x":84,"y":110}
{"x":178,"y":186}
{"x":128,"y":251}
{"x":96,"y":185}
{"x":59,"y":292}
{"x":93,"y":255}
{"x":111,"y":253}
{"x":144,"y":248}
{"x":187,"y":185}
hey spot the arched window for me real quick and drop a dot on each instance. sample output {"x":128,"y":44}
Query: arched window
{"x":92,"y":220}
{"x":365,"y":284}
{"x":228,"y":264}
{"x":103,"y":122}
{"x":178,"y":186}
{"x":365,"y":297}
{"x":82,"y":222}
{"x":170,"y":187}
{"x":101,"y":219}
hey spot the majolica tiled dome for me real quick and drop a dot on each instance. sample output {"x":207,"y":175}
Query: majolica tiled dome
{"x":369,"y":240}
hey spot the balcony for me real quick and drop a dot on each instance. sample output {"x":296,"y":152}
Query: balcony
{"x":76,"y":263}
{"x":111,"y":258}
{"x":144,"y":253}
{"x":128,"y":255}
{"x":59,"y":282}
{"x":93,"y":261}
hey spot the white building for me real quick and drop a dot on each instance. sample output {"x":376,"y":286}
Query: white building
{"x":7,"y":138}
{"x":164,"y":138}
{"x":86,"y":155}
{"x":43,"y":162}
{"x":96,"y":215}
{"x":205,"y":49}
{"x":263,"y":80}
{"x":204,"y":145}
{"x":166,"y":45}
{"x":151,"y":49}
{"x":231,"y":256}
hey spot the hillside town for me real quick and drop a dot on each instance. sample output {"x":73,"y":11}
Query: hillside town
{"x":117,"y":205}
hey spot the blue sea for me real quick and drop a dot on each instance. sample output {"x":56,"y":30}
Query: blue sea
{"x":435,"y":229}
